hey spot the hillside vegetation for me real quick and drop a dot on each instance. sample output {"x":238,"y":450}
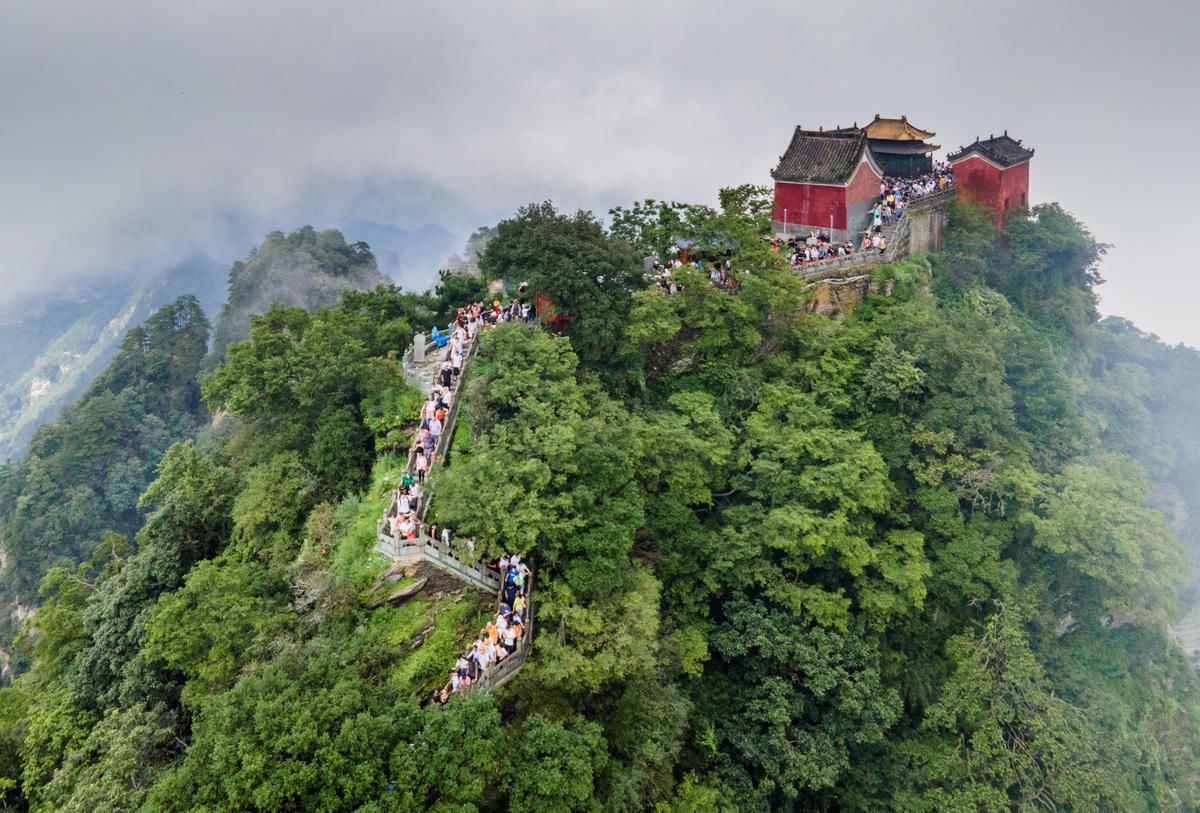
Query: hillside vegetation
{"x":906,"y":560}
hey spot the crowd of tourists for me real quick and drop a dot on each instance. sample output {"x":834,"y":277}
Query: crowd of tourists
{"x":817,"y":246}
{"x":502,"y":635}
{"x":896,"y":193}
{"x":401,"y":518}
{"x":907,"y":189}
{"x":401,"y":521}
{"x":720,"y":274}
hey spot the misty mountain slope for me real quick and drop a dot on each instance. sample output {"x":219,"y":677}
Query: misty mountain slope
{"x":83,"y":473}
{"x":305,"y":269}
{"x":51,"y":354}
{"x":28,"y":327}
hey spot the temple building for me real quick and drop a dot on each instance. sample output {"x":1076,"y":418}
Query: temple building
{"x":993,"y":172}
{"x":827,"y":180}
{"x":899,"y":148}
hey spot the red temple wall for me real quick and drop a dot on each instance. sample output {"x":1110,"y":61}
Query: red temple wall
{"x":810,"y":204}
{"x":979,"y":181}
{"x":864,"y":186}
{"x":1014,"y":186}
{"x":861,"y":194}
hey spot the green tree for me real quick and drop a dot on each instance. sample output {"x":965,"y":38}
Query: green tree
{"x":452,"y":757}
{"x":553,"y":767}
{"x":308,"y":730}
{"x":572,"y":262}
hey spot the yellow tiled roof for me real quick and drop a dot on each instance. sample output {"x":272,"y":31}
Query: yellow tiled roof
{"x":896,"y":130}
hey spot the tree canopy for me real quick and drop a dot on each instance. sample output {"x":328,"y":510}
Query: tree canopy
{"x":925,"y":556}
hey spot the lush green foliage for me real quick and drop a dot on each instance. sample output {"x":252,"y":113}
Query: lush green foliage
{"x":572,"y":262}
{"x":909,"y":560}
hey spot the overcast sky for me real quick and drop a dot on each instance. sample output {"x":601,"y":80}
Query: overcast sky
{"x":133,"y":132}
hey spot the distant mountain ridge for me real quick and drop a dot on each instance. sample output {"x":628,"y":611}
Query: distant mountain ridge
{"x":411,"y":257}
{"x":135,"y":383}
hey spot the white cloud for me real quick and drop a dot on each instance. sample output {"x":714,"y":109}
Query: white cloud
{"x":131,"y":129}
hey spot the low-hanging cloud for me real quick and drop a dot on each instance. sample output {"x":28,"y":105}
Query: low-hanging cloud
{"x":132,"y":132}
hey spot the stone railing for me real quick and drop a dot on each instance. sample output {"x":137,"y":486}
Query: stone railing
{"x":498,"y":674}
{"x":832,"y":264}
{"x":932,"y":199}
{"x":898,"y":247}
{"x":502,"y":672}
{"x":897,"y":243}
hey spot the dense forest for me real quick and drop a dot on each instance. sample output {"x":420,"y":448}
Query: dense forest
{"x":923,"y":557}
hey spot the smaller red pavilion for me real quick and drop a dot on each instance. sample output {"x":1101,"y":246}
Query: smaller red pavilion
{"x":993,"y":172}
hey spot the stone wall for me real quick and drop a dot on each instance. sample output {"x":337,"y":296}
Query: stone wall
{"x":925,"y":229}
{"x":922,"y":226}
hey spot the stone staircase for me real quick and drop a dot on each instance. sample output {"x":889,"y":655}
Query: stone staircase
{"x":422,"y":363}
{"x":900,"y":239}
{"x":426,"y":360}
